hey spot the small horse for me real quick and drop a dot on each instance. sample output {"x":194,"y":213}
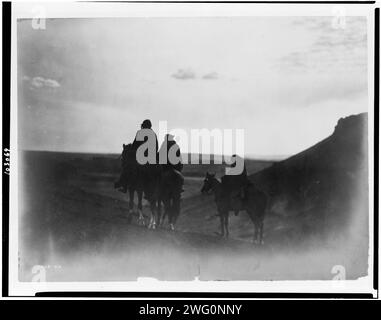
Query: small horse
{"x":255,"y":206}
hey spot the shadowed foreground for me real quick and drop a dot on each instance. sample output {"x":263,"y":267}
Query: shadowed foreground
{"x":78,"y":227}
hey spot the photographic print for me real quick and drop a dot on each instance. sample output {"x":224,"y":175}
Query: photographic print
{"x":181,"y":142}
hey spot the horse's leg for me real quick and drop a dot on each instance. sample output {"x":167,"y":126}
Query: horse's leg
{"x":131,"y":201}
{"x":152,"y":223}
{"x":161,"y":212}
{"x":261,"y":233}
{"x":140,"y":207}
{"x":254,"y":221}
{"x":160,"y":218}
{"x":152,"y":196}
{"x":165,"y":213}
{"x":176,"y":209}
{"x":168,"y":212}
{"x":153,"y":211}
{"x":148,"y":195}
{"x":255,"y":233}
{"x":222,"y":223}
{"x":171,"y":215}
{"x":226,"y":222}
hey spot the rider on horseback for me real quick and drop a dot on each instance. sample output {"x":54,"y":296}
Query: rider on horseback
{"x":235,"y":186}
{"x":146,"y":125}
{"x":160,"y":182}
{"x":149,"y":169}
{"x":130,"y":165}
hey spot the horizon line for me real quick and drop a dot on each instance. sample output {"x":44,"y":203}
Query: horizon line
{"x":248,"y":156}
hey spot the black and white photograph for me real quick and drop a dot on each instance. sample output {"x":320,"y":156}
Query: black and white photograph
{"x":192,"y":147}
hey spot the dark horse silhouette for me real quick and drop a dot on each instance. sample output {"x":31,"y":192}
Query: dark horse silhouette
{"x":158,"y":186}
{"x":170,"y":188}
{"x":163,"y":187}
{"x":255,"y":206}
{"x":150,"y":177}
{"x":131,"y":181}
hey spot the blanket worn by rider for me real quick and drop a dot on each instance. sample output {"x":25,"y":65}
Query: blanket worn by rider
{"x":150,"y":172}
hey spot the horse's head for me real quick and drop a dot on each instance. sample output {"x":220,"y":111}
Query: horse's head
{"x":208,"y":182}
{"x":126,"y":149}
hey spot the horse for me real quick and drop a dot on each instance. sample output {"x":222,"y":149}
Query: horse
{"x":255,"y":206}
{"x":130,"y":180}
{"x":163,"y":187}
{"x":151,"y":177}
{"x":158,"y":186}
{"x":171,"y":184}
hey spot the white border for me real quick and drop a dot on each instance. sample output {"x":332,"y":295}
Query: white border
{"x":81,"y":9}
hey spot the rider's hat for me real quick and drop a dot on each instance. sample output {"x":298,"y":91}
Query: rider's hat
{"x":146,"y":124}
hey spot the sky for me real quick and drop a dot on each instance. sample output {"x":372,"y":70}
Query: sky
{"x":85,"y":85}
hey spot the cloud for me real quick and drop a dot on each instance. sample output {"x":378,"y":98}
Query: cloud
{"x":50,"y":83}
{"x":330,"y":24}
{"x":315,"y":23}
{"x":184,"y":74}
{"x":333,"y":49}
{"x":211,"y":76}
{"x":40,"y":82}
{"x":187,"y":74}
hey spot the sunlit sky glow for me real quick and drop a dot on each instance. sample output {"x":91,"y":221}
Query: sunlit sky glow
{"x":85,"y":85}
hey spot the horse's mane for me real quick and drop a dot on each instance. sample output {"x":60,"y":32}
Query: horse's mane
{"x":128,"y":153}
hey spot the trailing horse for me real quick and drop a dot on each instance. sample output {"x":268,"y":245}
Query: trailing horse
{"x":255,"y":206}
